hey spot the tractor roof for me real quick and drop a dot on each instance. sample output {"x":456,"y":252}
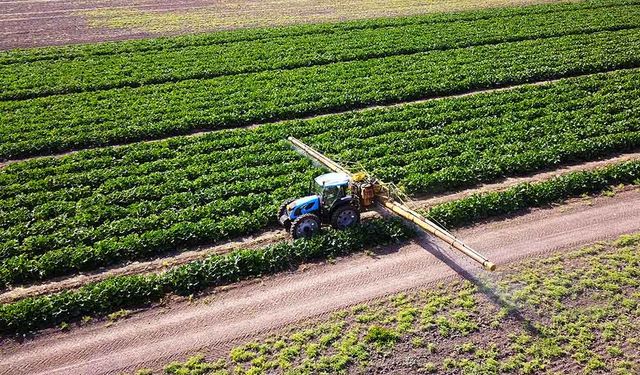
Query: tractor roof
{"x":332,"y":179}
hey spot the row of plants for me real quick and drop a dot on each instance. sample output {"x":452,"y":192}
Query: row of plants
{"x":43,"y":78}
{"x":428,"y":151}
{"x":255,"y":147}
{"x":98,"y":207}
{"x":523,"y":196}
{"x":136,"y":291}
{"x":98,"y":50}
{"x":177,"y":188}
{"x":57,"y":123}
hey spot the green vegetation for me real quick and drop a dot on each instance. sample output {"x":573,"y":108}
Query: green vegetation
{"x":112,"y":296}
{"x":88,"y":51}
{"x":142,"y":66}
{"x":225,"y":15}
{"x":575,"y":312}
{"x":527,"y":195}
{"x":107,"y":206}
{"x":47,"y":125}
{"x":99,"y":207}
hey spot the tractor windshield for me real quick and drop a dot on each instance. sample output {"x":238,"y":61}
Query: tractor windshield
{"x":330,"y":194}
{"x":316,"y":188}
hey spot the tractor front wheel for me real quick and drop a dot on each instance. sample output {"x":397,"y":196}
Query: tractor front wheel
{"x":345,"y":217}
{"x":283,"y":218}
{"x":305,"y":226}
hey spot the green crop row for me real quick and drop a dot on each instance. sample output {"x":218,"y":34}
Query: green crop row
{"x":48,"y":77}
{"x":139,"y":290}
{"x":529,"y":195}
{"x":98,"y":207}
{"x":53,"y":124}
{"x":88,"y":51}
{"x":430,"y":151}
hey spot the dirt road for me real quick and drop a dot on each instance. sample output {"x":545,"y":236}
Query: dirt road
{"x":154,"y":337}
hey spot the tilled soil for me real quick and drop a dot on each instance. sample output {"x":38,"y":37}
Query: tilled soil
{"x":35,"y":23}
{"x":156,"y":336}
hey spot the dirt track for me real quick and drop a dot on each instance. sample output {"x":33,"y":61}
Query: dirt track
{"x":154,"y":337}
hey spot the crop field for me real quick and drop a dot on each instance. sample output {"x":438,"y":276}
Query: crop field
{"x":54,"y":22}
{"x":156,"y":98}
{"x":120,"y":154}
{"x":99,"y":207}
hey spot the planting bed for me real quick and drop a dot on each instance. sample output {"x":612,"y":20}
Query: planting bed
{"x":99,"y":207}
{"x":34,"y":73}
{"x":115,"y":293}
{"x":330,"y":77}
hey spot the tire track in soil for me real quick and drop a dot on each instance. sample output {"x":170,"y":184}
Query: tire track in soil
{"x":154,"y":337}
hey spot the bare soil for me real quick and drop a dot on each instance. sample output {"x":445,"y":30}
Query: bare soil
{"x":33,"y":23}
{"x":154,"y":337}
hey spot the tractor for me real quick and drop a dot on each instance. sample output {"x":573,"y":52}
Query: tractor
{"x":336,"y":199}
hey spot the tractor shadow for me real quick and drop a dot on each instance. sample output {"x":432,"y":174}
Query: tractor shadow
{"x":470,"y":272}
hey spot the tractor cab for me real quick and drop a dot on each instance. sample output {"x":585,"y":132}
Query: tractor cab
{"x":332,"y":188}
{"x":331,"y":202}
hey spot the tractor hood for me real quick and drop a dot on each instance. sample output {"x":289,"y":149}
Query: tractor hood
{"x":302,"y":201}
{"x":303,"y":205}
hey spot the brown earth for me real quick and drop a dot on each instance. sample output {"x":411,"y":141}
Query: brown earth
{"x":154,"y":337}
{"x":33,"y":23}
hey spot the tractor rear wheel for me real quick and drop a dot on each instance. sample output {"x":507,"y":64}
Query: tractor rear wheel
{"x":345,"y":217}
{"x":305,"y":226}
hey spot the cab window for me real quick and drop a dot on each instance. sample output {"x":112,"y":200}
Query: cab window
{"x":332,"y":194}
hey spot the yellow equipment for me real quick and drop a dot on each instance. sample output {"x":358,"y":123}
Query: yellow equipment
{"x":369,"y":190}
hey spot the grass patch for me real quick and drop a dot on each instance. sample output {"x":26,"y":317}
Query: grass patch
{"x":576,"y":310}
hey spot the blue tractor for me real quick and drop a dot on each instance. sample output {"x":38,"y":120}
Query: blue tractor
{"x":334,"y":200}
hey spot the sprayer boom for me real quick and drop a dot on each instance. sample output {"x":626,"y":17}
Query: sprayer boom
{"x":364,"y":185}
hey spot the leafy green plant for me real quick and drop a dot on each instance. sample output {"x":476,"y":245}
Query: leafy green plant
{"x":114,"y":295}
{"x":527,"y":195}
{"x":183,"y":58}
{"x":49,"y":125}
{"x":59,"y":216}
{"x":381,"y":336}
